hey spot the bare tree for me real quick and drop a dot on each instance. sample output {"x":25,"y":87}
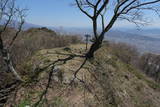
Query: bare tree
{"x":109,"y":11}
{"x":10,"y":15}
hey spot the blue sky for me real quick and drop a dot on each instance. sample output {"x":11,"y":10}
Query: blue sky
{"x":54,"y":13}
{"x":60,"y":13}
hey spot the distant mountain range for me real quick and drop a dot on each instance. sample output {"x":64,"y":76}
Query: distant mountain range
{"x":152,"y":32}
{"x":146,"y":40}
{"x":29,"y":25}
{"x":141,"y":42}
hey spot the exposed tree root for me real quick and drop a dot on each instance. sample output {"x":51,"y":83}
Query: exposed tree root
{"x":5,"y":92}
{"x":52,"y":65}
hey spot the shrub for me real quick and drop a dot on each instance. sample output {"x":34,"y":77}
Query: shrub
{"x":150,"y":65}
{"x":32,"y":40}
{"x":126,"y":53}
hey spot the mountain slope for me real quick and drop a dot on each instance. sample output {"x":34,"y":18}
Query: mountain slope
{"x":145,"y":40}
{"x":108,"y":82}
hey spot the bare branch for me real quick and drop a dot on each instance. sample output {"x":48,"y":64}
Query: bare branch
{"x":102,"y":18}
{"x":21,"y":16}
{"x":127,"y":6}
{"x":92,"y":5}
{"x":79,"y":6}
{"x":130,"y":10}
{"x":102,"y":7}
{"x":8,"y":11}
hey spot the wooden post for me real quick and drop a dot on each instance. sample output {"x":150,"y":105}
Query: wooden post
{"x":87,"y":40}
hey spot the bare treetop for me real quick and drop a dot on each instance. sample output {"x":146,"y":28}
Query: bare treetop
{"x":130,"y":10}
{"x":109,"y":11}
{"x":10,"y":16}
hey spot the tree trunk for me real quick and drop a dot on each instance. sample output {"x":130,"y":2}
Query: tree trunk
{"x":7,"y":59}
{"x":94,"y":47}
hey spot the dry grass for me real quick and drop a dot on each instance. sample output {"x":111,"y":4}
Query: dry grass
{"x":112,"y":83}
